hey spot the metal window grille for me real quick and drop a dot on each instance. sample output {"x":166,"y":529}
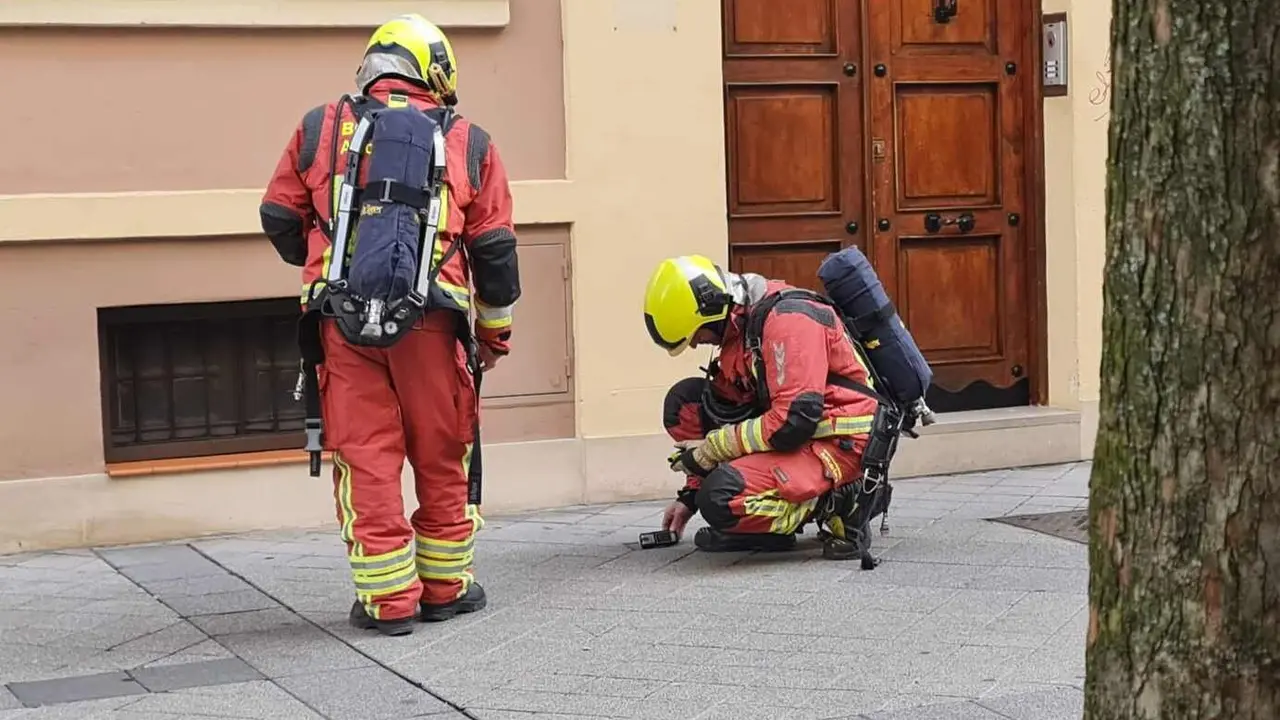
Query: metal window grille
{"x":199,"y":379}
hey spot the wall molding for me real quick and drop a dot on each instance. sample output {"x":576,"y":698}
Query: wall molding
{"x":203,"y":213}
{"x":250,"y":13}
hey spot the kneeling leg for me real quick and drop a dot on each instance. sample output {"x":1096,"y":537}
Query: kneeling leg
{"x":748,"y":505}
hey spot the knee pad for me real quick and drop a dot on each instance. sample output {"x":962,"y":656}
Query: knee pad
{"x":717,"y":491}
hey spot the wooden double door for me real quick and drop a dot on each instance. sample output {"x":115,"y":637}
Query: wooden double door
{"x":899,"y":126}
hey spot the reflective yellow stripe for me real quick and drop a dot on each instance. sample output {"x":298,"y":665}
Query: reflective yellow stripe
{"x":787,"y":516}
{"x":384,"y":574}
{"x":493,"y":318}
{"x":856,"y":425}
{"x":833,"y":468}
{"x":724,"y":443}
{"x":461,"y":296}
{"x":747,"y":437}
{"x":752,"y":436}
{"x":375,"y":576}
{"x":439,"y":559}
{"x":346,"y":508}
{"x":326,"y":257}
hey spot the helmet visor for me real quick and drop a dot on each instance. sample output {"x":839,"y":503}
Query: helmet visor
{"x":378,"y":64}
{"x":673,"y":347}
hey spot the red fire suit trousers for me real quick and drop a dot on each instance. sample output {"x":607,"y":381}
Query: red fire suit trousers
{"x":414,"y":399}
{"x":769,"y":492}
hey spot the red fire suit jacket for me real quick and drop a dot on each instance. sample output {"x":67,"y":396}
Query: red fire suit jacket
{"x":298,"y":203}
{"x":804,"y":345}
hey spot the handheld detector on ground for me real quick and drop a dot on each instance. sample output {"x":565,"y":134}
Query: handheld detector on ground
{"x":657,"y":539}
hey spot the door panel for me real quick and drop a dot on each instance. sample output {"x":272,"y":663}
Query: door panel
{"x":947,"y":138}
{"x":948,"y":187}
{"x":913,"y":25}
{"x":951,"y":298}
{"x":782,"y":140}
{"x":793,"y":132}
{"x":754,"y":28}
{"x":798,"y":262}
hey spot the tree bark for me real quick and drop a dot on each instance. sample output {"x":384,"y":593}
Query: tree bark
{"x":1184,"y":545}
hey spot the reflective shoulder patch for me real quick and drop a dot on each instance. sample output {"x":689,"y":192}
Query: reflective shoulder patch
{"x":312,"y":124}
{"x":477,"y":151}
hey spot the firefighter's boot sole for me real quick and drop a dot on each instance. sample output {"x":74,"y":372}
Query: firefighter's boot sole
{"x":710,"y":540}
{"x":359,"y":619}
{"x":474,"y":601}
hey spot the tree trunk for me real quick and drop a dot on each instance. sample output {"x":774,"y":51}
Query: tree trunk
{"x":1184,"y":548}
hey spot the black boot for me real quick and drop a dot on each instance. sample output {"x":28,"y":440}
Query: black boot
{"x":360,"y":619}
{"x":711,"y":540}
{"x":847,"y":521}
{"x":473,"y":601}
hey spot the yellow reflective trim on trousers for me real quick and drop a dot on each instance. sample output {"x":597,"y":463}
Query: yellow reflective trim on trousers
{"x":856,"y":425}
{"x":383,"y":574}
{"x":379,"y":563}
{"x":346,"y":507}
{"x":368,"y":594}
{"x":447,"y":560}
{"x":786,"y":515}
{"x":444,"y":559}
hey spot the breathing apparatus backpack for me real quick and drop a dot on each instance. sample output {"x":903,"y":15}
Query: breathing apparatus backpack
{"x":900,"y":376}
{"x":382,"y":269}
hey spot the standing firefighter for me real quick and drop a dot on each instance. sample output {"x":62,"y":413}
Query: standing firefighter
{"x":395,"y":206}
{"x":777,"y":425}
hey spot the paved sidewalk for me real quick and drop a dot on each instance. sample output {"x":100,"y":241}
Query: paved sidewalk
{"x":965,"y":619}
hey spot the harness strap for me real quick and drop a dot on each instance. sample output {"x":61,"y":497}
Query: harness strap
{"x":394,"y":191}
{"x":427,"y":270}
{"x":347,"y":200}
{"x":475,"y":472}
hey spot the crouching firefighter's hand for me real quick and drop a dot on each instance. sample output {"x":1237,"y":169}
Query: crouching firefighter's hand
{"x":692,"y":457}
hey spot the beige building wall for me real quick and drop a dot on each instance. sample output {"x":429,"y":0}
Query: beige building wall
{"x":1075,"y":191}
{"x":573,"y":92}
{"x":606,"y":184}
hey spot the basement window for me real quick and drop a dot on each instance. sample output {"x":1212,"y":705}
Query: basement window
{"x":195,"y":380}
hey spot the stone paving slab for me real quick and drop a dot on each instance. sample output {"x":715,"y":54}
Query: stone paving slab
{"x":965,"y":618}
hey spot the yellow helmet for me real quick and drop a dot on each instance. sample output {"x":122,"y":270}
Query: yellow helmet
{"x":684,"y":294}
{"x":412,"y":48}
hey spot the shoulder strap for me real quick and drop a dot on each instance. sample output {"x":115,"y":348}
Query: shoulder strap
{"x":312,"y":124}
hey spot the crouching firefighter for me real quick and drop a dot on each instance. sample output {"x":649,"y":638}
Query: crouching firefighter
{"x":395,"y":207}
{"x":786,"y":428}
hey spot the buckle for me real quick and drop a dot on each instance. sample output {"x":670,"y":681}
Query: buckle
{"x":385,"y":197}
{"x":871,"y":479}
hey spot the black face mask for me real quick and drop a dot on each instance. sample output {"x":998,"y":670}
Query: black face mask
{"x":717,"y":328}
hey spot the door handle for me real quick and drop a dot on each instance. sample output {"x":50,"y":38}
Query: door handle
{"x":944,"y":10}
{"x":933,"y":222}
